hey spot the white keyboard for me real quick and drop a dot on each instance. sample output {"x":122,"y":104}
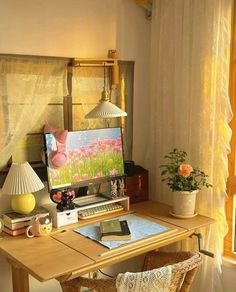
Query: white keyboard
{"x":99,"y":210}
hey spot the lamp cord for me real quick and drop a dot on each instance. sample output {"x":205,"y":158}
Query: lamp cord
{"x":104,"y":75}
{"x":104,"y":81}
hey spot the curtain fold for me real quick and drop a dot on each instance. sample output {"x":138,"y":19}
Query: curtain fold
{"x":190,"y":108}
{"x":125,"y":101}
{"x":27,"y":85}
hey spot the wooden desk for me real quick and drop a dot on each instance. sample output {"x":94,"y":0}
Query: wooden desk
{"x":66,"y":254}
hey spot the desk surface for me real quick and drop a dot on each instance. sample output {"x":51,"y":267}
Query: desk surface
{"x":66,"y":254}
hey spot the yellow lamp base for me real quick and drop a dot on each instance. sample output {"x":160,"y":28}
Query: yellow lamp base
{"x":23,"y":204}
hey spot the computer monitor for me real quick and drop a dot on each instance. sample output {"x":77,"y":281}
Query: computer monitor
{"x":91,"y":156}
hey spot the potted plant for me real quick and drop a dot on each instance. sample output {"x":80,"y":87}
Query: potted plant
{"x":185,"y":181}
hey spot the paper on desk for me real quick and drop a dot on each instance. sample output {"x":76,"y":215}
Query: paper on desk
{"x":139,"y":228}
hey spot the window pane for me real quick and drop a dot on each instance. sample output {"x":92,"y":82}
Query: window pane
{"x":53,"y":116}
{"x":28,"y":149}
{"x":88,"y":84}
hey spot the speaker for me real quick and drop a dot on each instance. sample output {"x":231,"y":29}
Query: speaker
{"x":129,"y":167}
{"x":137,"y":184}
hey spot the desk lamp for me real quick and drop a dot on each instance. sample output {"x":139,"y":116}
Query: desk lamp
{"x":20,"y":182}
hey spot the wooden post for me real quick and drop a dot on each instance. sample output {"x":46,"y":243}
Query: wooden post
{"x":20,"y":279}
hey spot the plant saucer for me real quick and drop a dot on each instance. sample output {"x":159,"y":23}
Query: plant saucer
{"x":183,"y":216}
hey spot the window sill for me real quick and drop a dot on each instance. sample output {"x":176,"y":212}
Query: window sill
{"x":229,"y":262}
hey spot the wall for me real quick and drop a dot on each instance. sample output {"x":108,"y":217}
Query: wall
{"x":78,"y":28}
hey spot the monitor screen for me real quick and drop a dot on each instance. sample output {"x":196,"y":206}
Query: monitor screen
{"x":89,"y":155}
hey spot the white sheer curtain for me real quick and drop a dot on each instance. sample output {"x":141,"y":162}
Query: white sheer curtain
{"x":190,"y":109}
{"x":27,"y":85}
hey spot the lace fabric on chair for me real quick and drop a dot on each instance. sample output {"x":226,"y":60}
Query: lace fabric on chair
{"x":157,"y":280}
{"x":162,"y":272}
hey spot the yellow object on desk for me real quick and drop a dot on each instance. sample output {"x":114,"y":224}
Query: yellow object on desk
{"x":21,"y":180}
{"x":23,"y":203}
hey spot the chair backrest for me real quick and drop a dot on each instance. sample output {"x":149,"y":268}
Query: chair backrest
{"x":183,"y":265}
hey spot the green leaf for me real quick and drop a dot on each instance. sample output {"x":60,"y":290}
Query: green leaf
{"x":164,"y":172}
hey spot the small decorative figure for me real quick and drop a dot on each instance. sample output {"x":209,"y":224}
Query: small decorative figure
{"x":63,"y":199}
{"x":121,"y":187}
{"x":40,"y":225}
{"x":57,"y":156}
{"x":114,"y":189}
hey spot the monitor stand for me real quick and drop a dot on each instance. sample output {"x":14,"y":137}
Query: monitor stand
{"x":91,"y":194}
{"x":90,"y":199}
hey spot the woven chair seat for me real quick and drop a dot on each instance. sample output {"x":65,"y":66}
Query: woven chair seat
{"x":184,"y":266}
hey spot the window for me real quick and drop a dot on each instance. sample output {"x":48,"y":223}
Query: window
{"x":62,"y":111}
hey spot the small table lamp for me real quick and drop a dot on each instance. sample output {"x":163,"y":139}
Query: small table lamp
{"x":20,"y":182}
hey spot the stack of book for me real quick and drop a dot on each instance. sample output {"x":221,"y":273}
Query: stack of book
{"x":115,"y":230}
{"x":16,"y":224}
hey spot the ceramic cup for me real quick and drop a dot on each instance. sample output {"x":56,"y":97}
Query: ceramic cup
{"x":40,"y":225}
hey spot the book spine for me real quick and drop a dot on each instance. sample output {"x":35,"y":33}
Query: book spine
{"x":124,"y":227}
{"x":15,"y":220}
{"x":26,"y":218}
{"x":16,"y":225}
{"x":14,"y":232}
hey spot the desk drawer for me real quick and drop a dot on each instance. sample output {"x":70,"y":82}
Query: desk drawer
{"x":62,"y":219}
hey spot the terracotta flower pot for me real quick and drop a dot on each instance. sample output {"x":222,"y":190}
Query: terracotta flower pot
{"x":184,"y":204}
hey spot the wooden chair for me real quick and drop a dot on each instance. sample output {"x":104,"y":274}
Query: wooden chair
{"x":184,"y":267}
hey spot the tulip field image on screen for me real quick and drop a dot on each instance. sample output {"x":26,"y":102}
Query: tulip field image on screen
{"x":91,"y":154}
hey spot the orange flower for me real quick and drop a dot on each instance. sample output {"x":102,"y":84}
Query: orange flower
{"x":185,"y":170}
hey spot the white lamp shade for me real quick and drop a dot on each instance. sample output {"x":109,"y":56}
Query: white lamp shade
{"x":21,"y":179}
{"x":106,"y":110}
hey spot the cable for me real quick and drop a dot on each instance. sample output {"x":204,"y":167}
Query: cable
{"x":105,"y":274}
{"x":104,"y":75}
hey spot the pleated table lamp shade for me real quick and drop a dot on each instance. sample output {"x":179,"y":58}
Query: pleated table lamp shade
{"x":20,"y":182}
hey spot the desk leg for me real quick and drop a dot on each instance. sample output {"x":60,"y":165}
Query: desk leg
{"x":20,"y":279}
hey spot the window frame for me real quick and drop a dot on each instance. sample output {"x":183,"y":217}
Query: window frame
{"x":231,"y":182}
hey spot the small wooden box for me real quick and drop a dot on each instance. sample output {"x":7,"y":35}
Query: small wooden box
{"x":60,"y":219}
{"x":137,"y":185}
